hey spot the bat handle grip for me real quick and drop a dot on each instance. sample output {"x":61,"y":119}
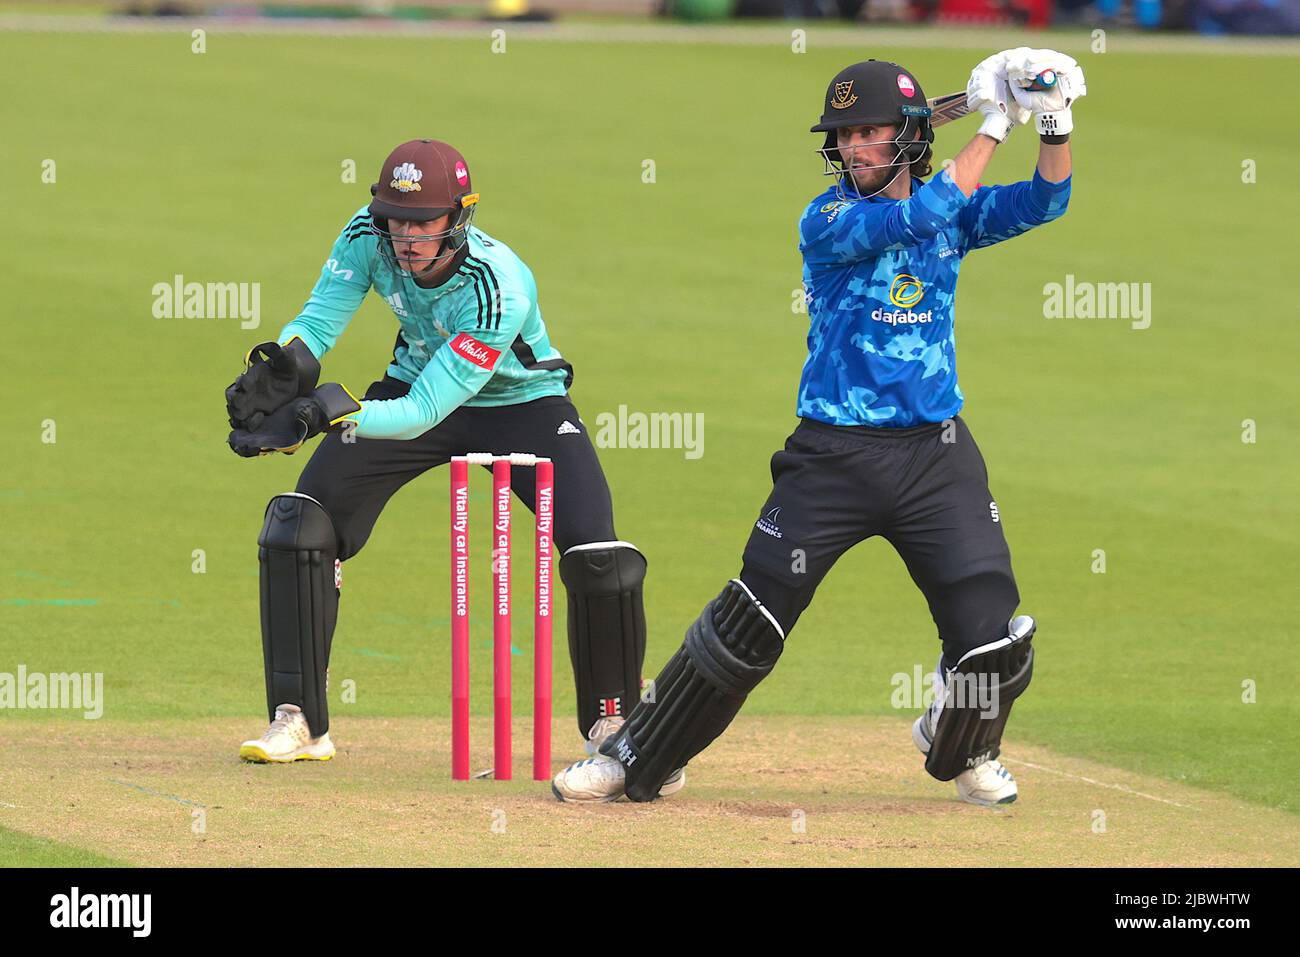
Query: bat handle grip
{"x":1044,"y":81}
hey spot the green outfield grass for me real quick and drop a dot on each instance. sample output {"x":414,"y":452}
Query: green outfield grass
{"x":24,"y":850}
{"x":673,"y":296}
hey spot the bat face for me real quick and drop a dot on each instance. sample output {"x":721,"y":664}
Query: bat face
{"x":951,"y":106}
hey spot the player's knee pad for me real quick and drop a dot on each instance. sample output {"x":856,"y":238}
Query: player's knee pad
{"x":606,"y":627}
{"x":974,"y":701}
{"x":300,"y":573}
{"x":730,"y":648}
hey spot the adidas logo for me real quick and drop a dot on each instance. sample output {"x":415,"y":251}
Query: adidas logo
{"x":395,"y":301}
{"x":568,"y":428}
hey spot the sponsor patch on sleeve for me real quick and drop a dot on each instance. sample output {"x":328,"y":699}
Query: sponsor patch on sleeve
{"x":475,"y":351}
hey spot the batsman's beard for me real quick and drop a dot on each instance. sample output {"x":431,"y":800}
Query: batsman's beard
{"x":847,"y":186}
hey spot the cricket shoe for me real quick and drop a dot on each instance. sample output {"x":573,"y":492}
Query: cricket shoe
{"x":600,"y":779}
{"x":676,"y":781}
{"x":602,"y":730}
{"x":605,"y":728}
{"x":287,"y":739}
{"x":596,"y":780}
{"x":988,"y":784}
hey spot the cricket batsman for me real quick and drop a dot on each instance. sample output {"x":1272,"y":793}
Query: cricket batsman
{"x":473,"y":369}
{"x":880,"y":448}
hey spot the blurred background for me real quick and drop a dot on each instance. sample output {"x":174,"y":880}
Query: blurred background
{"x":1213,"y":17}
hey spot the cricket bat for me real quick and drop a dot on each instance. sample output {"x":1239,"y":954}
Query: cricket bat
{"x":946,"y":108}
{"x":952,"y":106}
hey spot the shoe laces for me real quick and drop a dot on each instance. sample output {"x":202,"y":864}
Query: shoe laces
{"x":281,"y":723}
{"x":992,"y":771}
{"x":603,"y":728}
{"x":608,"y":767}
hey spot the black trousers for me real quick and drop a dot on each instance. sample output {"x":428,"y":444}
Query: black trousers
{"x":354,"y":480}
{"x":924,"y":490}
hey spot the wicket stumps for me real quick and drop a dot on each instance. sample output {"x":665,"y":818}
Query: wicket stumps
{"x":544,"y":509}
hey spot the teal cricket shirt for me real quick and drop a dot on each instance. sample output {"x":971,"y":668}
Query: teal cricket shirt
{"x":476,"y":339}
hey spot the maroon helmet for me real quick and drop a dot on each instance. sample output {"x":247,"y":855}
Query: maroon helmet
{"x":419,"y":181}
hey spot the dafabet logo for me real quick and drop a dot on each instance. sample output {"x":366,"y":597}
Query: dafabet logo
{"x":905,"y":292}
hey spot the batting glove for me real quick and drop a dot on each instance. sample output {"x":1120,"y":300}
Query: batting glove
{"x":988,"y":94}
{"x":1050,"y":106}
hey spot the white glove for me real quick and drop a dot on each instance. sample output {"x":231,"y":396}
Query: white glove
{"x":1051,"y":107}
{"x":1016,"y":113}
{"x":988,"y":93}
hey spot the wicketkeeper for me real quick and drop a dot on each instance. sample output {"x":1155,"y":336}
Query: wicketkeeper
{"x":473,"y":370}
{"x":880,"y":448}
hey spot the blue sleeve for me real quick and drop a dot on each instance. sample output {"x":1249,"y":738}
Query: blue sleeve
{"x":996,"y":213}
{"x":338,"y":293}
{"x":863,"y":230}
{"x":456,"y":371}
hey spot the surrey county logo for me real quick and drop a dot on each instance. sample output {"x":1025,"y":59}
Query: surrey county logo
{"x":462,"y":173}
{"x":406,"y":178}
{"x":844,"y":95}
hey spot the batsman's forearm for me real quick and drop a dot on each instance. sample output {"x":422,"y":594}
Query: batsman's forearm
{"x":970,"y":163}
{"x":1054,"y":163}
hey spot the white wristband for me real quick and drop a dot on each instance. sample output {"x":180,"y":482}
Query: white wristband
{"x":1054,"y":124}
{"x":996,"y":126}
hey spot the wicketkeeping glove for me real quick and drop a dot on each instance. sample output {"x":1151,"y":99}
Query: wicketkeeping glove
{"x":273,"y":375}
{"x":287,"y":428}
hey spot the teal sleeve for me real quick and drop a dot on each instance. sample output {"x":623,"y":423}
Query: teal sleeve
{"x":455,"y":372}
{"x":338,"y":293}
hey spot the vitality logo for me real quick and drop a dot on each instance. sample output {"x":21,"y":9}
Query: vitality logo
{"x":475,"y":351}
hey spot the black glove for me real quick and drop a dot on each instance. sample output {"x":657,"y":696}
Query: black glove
{"x":274,"y":375}
{"x":288,"y":427}
{"x":281,"y":431}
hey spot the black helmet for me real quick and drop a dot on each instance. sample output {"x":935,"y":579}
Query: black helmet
{"x":877,"y":91}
